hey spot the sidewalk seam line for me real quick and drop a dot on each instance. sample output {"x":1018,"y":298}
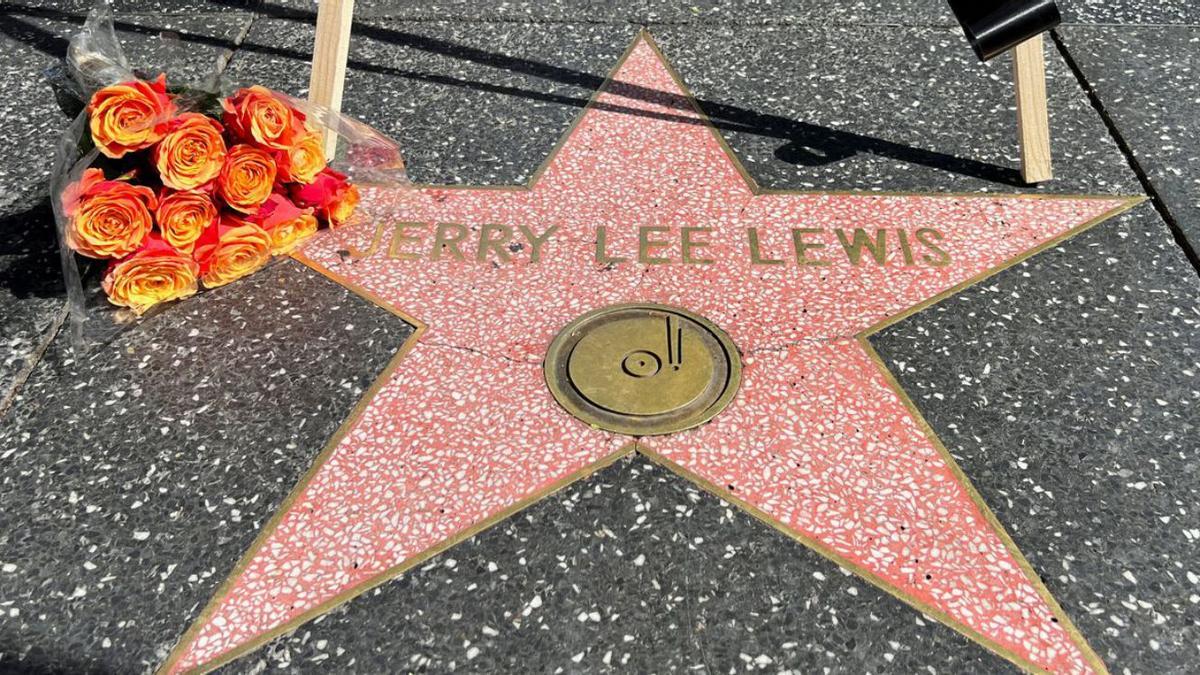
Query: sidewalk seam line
{"x":32,"y":361}
{"x":1126,"y":149}
{"x":238,"y":41}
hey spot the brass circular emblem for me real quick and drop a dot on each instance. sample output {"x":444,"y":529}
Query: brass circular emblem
{"x":643,"y":370}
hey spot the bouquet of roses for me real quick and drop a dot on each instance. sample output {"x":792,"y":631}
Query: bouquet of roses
{"x":197,"y":199}
{"x":174,"y":188}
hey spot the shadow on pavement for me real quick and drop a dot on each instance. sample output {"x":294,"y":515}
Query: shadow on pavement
{"x":804,"y":144}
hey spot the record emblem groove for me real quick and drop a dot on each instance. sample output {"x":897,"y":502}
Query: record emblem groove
{"x":643,"y":369}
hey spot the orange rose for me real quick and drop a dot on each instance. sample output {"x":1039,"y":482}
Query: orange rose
{"x":154,"y":273}
{"x":303,"y":161}
{"x":107,"y":218}
{"x":231,"y":249}
{"x":287,"y":225}
{"x":183,"y":215}
{"x":129,"y":116}
{"x":256,"y":115}
{"x":192,"y":153}
{"x":330,"y":194}
{"x":246,"y":178}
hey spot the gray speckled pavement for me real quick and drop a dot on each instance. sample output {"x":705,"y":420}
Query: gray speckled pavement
{"x":135,"y":478}
{"x":33,"y":38}
{"x":933,"y":119}
{"x":1089,"y":457}
{"x":1146,"y":80}
{"x":1067,"y":387}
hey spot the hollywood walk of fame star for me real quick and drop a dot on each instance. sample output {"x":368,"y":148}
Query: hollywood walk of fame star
{"x":820,"y":441}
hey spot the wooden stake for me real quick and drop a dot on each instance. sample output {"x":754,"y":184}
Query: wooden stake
{"x":330,"y":50}
{"x":1033,"y":117}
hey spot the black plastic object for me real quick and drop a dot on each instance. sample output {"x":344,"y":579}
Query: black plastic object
{"x":996,"y":26}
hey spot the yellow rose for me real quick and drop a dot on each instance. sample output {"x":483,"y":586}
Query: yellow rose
{"x":154,"y":273}
{"x":286,"y":224}
{"x":183,"y":215}
{"x":107,"y":218}
{"x":191,"y":154}
{"x":230,"y":250}
{"x":343,"y":206}
{"x":289,"y":235}
{"x":302,"y":162}
{"x":129,"y":116}
{"x":247,"y":178}
{"x":256,"y":115}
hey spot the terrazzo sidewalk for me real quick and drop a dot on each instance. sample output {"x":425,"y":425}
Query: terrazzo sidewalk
{"x":966,"y":433}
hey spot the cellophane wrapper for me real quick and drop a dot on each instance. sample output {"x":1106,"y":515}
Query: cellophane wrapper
{"x":95,"y":60}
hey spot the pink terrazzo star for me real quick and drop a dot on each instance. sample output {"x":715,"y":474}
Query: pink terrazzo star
{"x":819,"y":441}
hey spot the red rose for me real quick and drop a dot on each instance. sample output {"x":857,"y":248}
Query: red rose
{"x":330,"y":194}
{"x":286,"y":224}
{"x":321,"y":190}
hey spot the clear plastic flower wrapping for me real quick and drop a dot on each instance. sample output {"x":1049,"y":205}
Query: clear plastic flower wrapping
{"x":95,"y":60}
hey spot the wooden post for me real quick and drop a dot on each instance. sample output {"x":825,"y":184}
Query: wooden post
{"x":1033,"y":116}
{"x":330,"y":50}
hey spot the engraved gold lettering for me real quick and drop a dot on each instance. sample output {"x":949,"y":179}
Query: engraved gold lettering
{"x":688,"y":244}
{"x":803,"y":247}
{"x":494,"y":238}
{"x":854,"y":249}
{"x":905,"y":246}
{"x":928,"y":237}
{"x":756,"y":256}
{"x":536,"y":241}
{"x":602,"y":255}
{"x":446,"y":238}
{"x":400,"y":238}
{"x":356,"y":254}
{"x":646,"y":245}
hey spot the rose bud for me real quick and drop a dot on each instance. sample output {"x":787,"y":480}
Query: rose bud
{"x":231,"y":249}
{"x":191,"y":154}
{"x":330,"y":194}
{"x":183,"y":215}
{"x":107,"y":218}
{"x":302,"y":162}
{"x":256,"y":115}
{"x":129,"y":116}
{"x":246,"y":179}
{"x":286,"y":224}
{"x":154,"y":273}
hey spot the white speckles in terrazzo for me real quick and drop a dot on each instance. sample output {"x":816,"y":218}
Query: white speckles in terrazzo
{"x":817,"y":439}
